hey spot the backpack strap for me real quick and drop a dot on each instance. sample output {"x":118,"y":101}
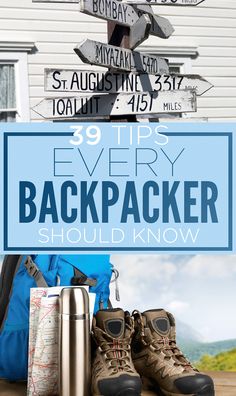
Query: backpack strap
{"x":81,"y":279}
{"x":10,"y":266}
{"x":35,"y":273}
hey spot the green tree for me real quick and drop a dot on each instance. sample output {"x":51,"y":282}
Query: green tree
{"x":225,"y":361}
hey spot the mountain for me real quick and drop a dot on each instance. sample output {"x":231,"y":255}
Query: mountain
{"x":186,"y":333}
{"x":193,"y":345}
{"x":196,"y":350}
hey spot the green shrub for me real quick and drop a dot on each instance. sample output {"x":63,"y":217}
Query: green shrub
{"x":225,"y":361}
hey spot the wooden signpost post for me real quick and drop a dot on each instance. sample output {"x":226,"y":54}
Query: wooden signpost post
{"x":136,"y":83}
{"x":120,"y":36}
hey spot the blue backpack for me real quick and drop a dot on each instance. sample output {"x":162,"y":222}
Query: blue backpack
{"x":18,"y":275}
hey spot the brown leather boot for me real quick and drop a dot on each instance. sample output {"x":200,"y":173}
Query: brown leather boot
{"x":113,"y":373}
{"x":158,"y":359}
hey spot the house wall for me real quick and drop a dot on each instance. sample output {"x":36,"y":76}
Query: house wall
{"x":57,"y":28}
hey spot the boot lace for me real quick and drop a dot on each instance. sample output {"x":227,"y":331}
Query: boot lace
{"x":117,"y":355}
{"x":165,"y":345}
{"x":169,"y":348}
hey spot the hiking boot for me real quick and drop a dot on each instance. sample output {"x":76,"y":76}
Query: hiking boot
{"x":159,"y":361}
{"x":113,"y":373}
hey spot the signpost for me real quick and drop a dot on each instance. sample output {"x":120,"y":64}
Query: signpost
{"x":119,"y":36}
{"x":74,"y":81}
{"x":160,"y":26}
{"x":98,"y":106}
{"x":127,"y":15}
{"x":135,"y":83}
{"x":106,"y":55}
{"x":167,"y":2}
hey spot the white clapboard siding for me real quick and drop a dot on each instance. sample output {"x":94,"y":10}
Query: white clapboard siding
{"x":211,"y":27}
{"x":57,"y":28}
{"x":227,"y":82}
{"x":221,"y":93}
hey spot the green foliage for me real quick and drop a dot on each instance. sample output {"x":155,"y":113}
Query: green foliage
{"x":225,"y":361}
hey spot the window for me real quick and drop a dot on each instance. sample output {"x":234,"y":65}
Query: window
{"x":14,"y":89}
{"x":7,"y":93}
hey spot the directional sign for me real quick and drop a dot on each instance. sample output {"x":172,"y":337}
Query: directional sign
{"x":167,"y":2}
{"x":112,"y":10}
{"x":127,"y":15}
{"x":106,"y":55}
{"x":58,"y":80}
{"x":139,"y":32}
{"x":55,"y":1}
{"x":97,"y":106}
{"x":160,"y":27}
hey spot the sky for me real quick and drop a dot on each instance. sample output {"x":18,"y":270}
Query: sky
{"x":198,"y":290}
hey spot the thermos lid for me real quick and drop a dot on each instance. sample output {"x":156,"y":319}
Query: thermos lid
{"x":74,"y":301}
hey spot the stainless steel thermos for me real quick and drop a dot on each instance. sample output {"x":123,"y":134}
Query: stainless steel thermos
{"x":74,"y":342}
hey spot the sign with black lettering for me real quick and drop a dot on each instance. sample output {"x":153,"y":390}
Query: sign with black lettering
{"x":55,"y":1}
{"x":112,"y":10}
{"x":167,"y":2}
{"x":59,"y":80}
{"x":106,"y":55}
{"x":97,"y":106}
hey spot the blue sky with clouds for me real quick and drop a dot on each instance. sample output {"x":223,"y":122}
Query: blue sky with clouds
{"x":198,"y":290}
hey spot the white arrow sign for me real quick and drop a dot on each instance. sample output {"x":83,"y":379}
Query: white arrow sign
{"x":167,"y":2}
{"x":112,"y":10}
{"x":55,"y":1}
{"x":97,"y":106}
{"x":160,"y":27}
{"x":157,"y":2}
{"x":139,"y":32}
{"x":106,"y":55}
{"x":58,"y":80}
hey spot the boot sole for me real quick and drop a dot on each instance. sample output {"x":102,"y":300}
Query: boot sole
{"x":125,"y":392}
{"x":152,"y":385}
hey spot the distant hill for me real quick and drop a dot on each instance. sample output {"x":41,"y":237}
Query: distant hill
{"x":225,"y":361}
{"x":186,"y":333}
{"x":194,"y":347}
{"x":195,"y":350}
